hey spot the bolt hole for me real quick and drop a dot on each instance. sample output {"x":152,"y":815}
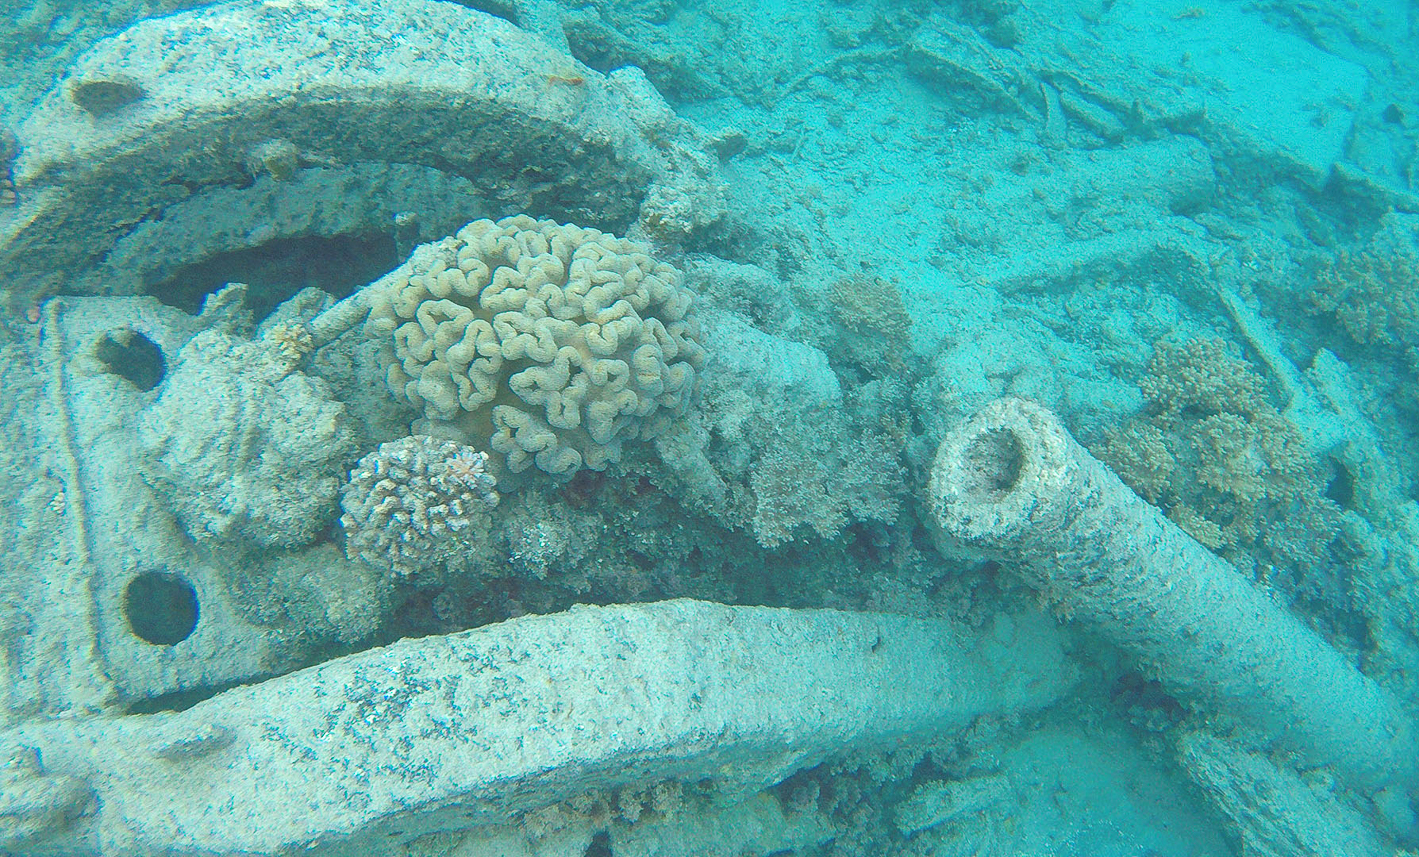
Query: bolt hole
{"x":133,"y":357}
{"x":160,"y":607}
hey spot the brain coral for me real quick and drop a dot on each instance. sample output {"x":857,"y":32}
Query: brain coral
{"x":552,"y":344}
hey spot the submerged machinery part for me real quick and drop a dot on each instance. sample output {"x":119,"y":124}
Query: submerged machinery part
{"x":167,"y":445}
{"x":478,"y":728}
{"x":246,"y":124}
{"x":1013,"y":481}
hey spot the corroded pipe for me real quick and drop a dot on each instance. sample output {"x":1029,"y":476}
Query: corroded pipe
{"x":1013,"y":481}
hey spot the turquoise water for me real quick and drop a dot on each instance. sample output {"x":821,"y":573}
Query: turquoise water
{"x":842,"y":428}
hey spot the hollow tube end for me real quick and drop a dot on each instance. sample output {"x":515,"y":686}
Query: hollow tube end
{"x":1003,"y":476}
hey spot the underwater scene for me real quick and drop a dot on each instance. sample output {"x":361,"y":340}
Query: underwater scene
{"x":709,"y":428}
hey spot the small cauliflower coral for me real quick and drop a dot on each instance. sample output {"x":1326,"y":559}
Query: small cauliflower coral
{"x":552,"y":344}
{"x":417,"y":505}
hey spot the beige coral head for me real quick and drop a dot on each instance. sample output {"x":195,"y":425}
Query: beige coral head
{"x":552,"y":344}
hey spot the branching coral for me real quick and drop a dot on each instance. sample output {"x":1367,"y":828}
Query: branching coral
{"x":1201,"y":376}
{"x":1138,"y":452}
{"x":781,"y":423}
{"x":874,"y":327}
{"x":1216,"y":454}
{"x":789,"y":492}
{"x":552,"y":344}
{"x":1374,"y":292}
{"x":1255,"y":458}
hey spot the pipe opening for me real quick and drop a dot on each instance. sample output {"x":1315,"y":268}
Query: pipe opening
{"x":992,"y":465}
